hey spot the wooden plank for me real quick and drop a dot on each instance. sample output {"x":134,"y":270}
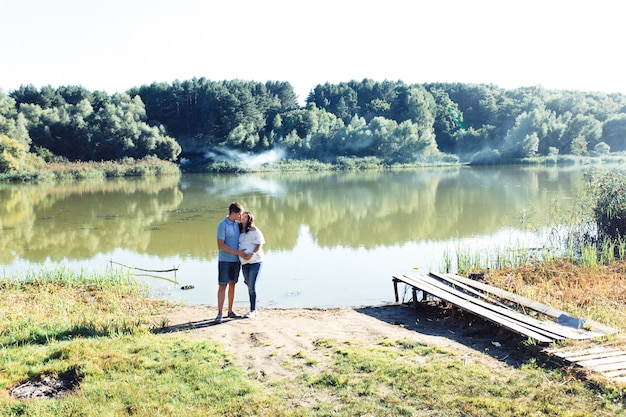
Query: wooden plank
{"x":619,"y":361}
{"x":469,"y":289}
{"x":608,"y":361}
{"x":476,"y":309}
{"x":465,"y":294}
{"x":599,"y":355}
{"x":567,"y":354}
{"x":548,"y":328}
{"x":559,"y":328}
{"x":522,"y":319}
{"x":507,"y":295}
{"x":550,"y":311}
{"x":605,"y":367}
{"x":614,"y":374}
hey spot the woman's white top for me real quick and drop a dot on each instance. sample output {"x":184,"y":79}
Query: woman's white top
{"x":248,"y":242}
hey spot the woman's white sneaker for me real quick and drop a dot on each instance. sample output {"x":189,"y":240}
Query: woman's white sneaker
{"x":250,"y":314}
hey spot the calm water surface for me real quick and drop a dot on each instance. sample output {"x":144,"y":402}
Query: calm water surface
{"x":333,"y":239}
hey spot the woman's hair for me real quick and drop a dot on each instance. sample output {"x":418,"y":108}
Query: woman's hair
{"x":245,"y":228}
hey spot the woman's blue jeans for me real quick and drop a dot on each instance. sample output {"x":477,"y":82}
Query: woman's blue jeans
{"x":250,"y":275}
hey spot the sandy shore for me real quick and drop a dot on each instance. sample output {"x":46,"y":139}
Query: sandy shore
{"x":262,"y":345}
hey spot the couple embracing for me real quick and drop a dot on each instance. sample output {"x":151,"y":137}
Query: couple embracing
{"x":240,"y":246}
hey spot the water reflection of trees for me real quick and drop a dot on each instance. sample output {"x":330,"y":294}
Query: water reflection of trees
{"x":179,"y":216}
{"x":80,"y":220}
{"x":387,"y":209}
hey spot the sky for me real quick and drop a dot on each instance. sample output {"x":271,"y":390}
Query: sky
{"x":114,"y":45}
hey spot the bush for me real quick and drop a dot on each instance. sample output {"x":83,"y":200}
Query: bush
{"x":609,"y":204}
{"x":14,"y":157}
{"x":12,"y":154}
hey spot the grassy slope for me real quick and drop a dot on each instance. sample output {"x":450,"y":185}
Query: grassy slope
{"x":98,"y":328}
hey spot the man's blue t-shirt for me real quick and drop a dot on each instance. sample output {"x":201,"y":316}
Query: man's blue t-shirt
{"x":229,"y":232}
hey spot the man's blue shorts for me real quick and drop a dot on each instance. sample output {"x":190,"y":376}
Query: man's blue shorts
{"x":228,"y":272}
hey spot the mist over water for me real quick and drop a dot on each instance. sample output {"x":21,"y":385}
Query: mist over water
{"x":250,"y":160}
{"x":333,"y":239}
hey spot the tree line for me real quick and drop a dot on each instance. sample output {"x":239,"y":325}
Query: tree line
{"x":390,"y":121}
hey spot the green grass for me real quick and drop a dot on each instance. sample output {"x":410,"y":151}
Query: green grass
{"x":315,"y":165}
{"x":99,"y":327}
{"x":135,"y":375}
{"x":102,"y":329}
{"x":73,"y":171}
{"x":410,"y":379}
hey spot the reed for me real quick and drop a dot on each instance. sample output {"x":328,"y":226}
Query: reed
{"x":465,"y":260}
{"x":95,"y":170}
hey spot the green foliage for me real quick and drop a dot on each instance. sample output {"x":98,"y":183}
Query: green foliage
{"x":608,"y":192}
{"x":80,"y":126}
{"x":522,"y":140}
{"x":396,"y":122}
{"x":601,"y":149}
{"x":212,"y":110}
{"x":448,"y":120}
{"x":71,"y":171}
{"x":12,"y":154}
{"x":353,"y":164}
{"x":14,"y":157}
{"x":614,"y":132}
{"x":12,"y":123}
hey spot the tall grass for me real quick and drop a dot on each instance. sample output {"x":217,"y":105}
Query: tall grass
{"x":70,"y":304}
{"x":341,"y":163}
{"x":463,"y":260}
{"x":95,"y":170}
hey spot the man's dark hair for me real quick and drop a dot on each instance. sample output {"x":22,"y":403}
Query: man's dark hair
{"x":235,"y":208}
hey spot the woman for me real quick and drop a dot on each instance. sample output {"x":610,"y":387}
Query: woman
{"x":251,"y":241}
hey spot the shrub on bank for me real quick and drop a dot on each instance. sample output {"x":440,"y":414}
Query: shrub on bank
{"x":608,"y":192}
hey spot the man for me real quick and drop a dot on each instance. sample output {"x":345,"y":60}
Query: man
{"x":228,"y":259}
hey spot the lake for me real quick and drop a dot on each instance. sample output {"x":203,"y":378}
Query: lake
{"x":333,"y":239}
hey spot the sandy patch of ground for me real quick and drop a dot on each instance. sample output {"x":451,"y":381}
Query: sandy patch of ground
{"x":262,"y":346}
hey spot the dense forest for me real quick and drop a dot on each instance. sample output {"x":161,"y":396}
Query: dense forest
{"x":390,"y":122}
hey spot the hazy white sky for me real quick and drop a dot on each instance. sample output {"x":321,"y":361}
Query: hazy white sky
{"x":114,"y":45}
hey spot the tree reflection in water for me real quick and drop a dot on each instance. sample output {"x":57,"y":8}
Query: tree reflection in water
{"x":332,"y":238}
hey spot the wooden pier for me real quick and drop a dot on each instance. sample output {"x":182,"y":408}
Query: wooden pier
{"x":546,"y":325}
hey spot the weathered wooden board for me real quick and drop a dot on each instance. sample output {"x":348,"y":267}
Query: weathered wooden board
{"x":617,"y":362}
{"x":615,"y":374}
{"x":518,"y":299}
{"x":556,"y":333}
{"x":571,"y":355}
{"x":598,"y":355}
{"x":476,"y":309}
{"x":550,"y":329}
{"x":463,"y":294}
{"x":562,"y":317}
{"x":605,"y":360}
{"x":603,"y":368}
{"x":566,"y":332}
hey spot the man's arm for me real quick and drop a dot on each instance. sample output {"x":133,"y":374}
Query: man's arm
{"x":223,"y":246}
